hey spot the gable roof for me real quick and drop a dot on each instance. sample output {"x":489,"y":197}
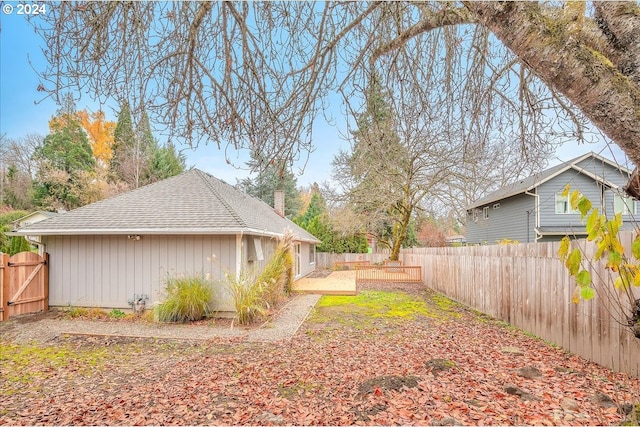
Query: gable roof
{"x":531,"y":182}
{"x":46,"y":214}
{"x":193,"y":202}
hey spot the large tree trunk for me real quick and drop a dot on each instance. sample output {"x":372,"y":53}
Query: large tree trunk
{"x":601,"y":83}
{"x":400,"y":233}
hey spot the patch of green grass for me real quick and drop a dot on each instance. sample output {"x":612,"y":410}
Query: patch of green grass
{"x":22,"y":364}
{"x":376,"y":304}
{"x":445,"y":304}
{"x":633,"y":418}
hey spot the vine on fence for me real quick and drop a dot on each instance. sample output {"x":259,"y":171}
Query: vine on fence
{"x":604,"y":233}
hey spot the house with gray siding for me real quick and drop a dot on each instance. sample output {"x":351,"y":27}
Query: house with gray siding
{"x":534,"y":209}
{"x":108,"y":253}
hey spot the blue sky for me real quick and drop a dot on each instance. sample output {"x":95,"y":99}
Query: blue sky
{"x":23,"y":110}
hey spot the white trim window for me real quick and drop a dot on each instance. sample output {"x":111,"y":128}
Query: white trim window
{"x":563,"y":206}
{"x":624,"y":205}
{"x":485,"y":212}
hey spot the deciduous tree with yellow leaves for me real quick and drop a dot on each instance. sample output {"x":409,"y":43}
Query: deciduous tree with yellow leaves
{"x":625,"y":269}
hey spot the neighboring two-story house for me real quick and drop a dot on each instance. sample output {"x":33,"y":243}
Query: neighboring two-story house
{"x":534,"y":209}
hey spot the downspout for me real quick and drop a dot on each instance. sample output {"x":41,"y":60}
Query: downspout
{"x":41,"y":246}
{"x":238,"y":255}
{"x":536,"y":208}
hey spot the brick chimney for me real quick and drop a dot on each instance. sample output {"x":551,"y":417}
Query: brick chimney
{"x":278,"y":202}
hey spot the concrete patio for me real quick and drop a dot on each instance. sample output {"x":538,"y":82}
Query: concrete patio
{"x":336,"y":283}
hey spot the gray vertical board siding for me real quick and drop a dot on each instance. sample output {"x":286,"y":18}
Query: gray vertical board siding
{"x":507,"y":222}
{"x":269,"y":246}
{"x":106,"y":271}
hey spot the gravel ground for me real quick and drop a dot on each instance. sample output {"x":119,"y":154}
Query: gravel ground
{"x":44,"y":328}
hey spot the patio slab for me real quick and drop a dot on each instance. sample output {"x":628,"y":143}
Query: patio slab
{"x":336,"y":283}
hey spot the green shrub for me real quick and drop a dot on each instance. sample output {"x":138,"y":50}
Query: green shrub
{"x":188,"y":299}
{"x":117,"y":314}
{"x":18,"y":244}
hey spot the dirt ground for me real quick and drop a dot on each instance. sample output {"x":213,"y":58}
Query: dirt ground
{"x":388,"y":356}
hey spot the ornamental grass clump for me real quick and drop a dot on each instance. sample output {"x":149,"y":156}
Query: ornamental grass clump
{"x":188,"y":299}
{"x":248,"y":297}
{"x":254,"y":294}
{"x":277,"y":276}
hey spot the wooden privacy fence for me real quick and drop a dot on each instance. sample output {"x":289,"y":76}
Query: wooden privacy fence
{"x":388,"y":274}
{"x":328,"y":260}
{"x":350,"y":265}
{"x":527,"y":286}
{"x":24,"y":284}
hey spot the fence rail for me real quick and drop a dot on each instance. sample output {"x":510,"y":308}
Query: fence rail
{"x":328,"y":260}
{"x":350,"y":265}
{"x":388,"y":274}
{"x":527,"y":286}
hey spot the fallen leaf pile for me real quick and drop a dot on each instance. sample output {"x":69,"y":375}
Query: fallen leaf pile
{"x":450,"y":368}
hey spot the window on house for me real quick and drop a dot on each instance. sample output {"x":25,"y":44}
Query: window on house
{"x":485,"y":212}
{"x":563,"y":206}
{"x":624,"y":205}
{"x":496,"y":206}
{"x":312,"y":254}
{"x":474,"y":215}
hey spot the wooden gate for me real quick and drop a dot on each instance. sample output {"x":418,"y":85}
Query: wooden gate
{"x":24,"y":284}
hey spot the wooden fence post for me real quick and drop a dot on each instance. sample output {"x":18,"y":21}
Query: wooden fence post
{"x":4,"y":279}
{"x":45,"y":282}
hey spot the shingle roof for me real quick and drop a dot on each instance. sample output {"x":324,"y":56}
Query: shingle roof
{"x":191,"y":203}
{"x":531,"y":182}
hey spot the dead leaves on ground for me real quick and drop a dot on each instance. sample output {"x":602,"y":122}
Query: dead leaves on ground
{"x":423,"y":371}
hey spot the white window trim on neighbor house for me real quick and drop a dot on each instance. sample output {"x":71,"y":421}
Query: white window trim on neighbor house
{"x":485,"y":212}
{"x":562,"y":205}
{"x":624,"y":205}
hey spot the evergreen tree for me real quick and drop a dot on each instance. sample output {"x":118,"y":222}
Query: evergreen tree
{"x":378,"y":167}
{"x":65,"y":161}
{"x":137,"y":158}
{"x":18,"y":244}
{"x":164,"y":162}
{"x":5,"y":225}
{"x":269,"y":179}
{"x":127,"y":163}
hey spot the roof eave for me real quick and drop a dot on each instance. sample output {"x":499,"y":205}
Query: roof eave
{"x":151,"y":231}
